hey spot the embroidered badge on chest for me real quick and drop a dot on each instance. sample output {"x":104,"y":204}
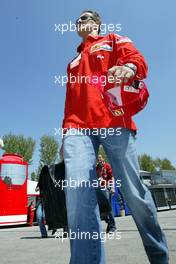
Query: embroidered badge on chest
{"x":104,"y":45}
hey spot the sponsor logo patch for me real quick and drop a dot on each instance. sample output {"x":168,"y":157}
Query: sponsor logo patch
{"x":100,"y":57}
{"x":123,"y":40}
{"x":118,"y":112}
{"x":105,"y":45}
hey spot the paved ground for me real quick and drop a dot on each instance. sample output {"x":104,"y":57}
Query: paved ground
{"x":24,"y":245}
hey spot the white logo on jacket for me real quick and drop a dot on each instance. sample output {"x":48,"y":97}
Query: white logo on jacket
{"x":75,"y":62}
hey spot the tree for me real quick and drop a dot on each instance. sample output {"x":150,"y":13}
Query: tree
{"x":163,"y":164}
{"x":48,"y":151}
{"x":158,"y":163}
{"x":19,"y":145}
{"x":149,"y":164}
{"x":166,"y":165}
{"x":146,"y":163}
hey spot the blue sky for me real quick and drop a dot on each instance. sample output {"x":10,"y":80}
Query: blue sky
{"x":32,"y":53}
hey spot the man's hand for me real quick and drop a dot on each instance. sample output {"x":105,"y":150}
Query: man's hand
{"x":120,"y":74}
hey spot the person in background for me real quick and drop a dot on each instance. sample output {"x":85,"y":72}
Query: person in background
{"x":169,"y":203}
{"x":31,"y":211}
{"x":40,"y":215}
{"x":104,"y":174}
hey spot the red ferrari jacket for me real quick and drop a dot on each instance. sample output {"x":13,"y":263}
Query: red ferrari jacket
{"x":85,"y":106}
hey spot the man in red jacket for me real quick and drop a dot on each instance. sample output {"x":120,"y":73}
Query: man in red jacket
{"x":103,"y":62}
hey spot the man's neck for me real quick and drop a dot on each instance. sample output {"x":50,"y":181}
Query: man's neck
{"x":93,"y":33}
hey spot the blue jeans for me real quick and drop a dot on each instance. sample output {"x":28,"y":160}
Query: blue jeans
{"x":40,"y":214}
{"x":80,"y":152}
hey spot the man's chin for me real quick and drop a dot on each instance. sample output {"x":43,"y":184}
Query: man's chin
{"x":83,"y":33}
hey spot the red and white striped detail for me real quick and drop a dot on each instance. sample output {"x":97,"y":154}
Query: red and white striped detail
{"x":13,"y":220}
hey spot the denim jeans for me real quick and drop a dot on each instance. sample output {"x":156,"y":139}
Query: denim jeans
{"x":80,"y":152}
{"x":40,"y":214}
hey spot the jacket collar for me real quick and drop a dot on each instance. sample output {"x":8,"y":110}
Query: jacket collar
{"x":90,"y":39}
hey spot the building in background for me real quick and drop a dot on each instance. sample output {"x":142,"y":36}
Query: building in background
{"x":162,"y":185}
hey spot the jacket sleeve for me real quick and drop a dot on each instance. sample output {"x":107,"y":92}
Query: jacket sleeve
{"x":109,"y":170}
{"x":67,"y":103}
{"x":127,"y":53}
